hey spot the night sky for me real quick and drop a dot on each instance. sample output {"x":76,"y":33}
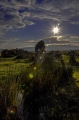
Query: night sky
{"x":25,"y":22}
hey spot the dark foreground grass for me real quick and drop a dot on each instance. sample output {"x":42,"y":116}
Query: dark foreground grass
{"x":49,"y":92}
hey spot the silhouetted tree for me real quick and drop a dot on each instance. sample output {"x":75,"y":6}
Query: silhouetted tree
{"x":15,"y":52}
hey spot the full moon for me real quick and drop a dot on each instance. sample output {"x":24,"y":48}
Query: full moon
{"x":55,"y":30}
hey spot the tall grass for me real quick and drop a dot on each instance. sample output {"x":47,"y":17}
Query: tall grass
{"x":43,"y":87}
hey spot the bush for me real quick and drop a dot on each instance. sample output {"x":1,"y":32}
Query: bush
{"x":21,"y":56}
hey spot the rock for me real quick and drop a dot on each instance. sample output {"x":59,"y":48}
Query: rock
{"x":39,"y":52}
{"x":39,"y":46}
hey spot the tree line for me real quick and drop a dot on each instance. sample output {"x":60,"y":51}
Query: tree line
{"x":13,"y":52}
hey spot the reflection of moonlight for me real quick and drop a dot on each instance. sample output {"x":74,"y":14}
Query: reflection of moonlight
{"x":55,"y":30}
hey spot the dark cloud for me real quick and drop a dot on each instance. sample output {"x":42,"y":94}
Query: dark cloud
{"x":51,"y":43}
{"x":55,"y":10}
{"x":9,"y":14}
{"x":58,"y":9}
{"x":12,"y":19}
{"x":55,"y":41}
{"x":20,"y":13}
{"x":16,"y":4}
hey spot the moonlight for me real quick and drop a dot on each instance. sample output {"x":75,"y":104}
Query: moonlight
{"x":55,"y":30}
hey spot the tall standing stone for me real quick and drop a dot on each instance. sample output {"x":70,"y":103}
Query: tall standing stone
{"x":39,"y":52}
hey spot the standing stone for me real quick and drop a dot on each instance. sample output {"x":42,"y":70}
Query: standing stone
{"x":39,"y":52}
{"x":39,"y":46}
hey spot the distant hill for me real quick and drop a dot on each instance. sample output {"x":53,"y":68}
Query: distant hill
{"x":28,"y":49}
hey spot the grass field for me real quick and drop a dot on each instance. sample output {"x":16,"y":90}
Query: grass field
{"x":75,"y":68}
{"x":11,"y":66}
{"x":34,"y":80}
{"x":76,"y":74}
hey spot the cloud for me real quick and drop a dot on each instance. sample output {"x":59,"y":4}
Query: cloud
{"x":51,"y":43}
{"x":62,"y":9}
{"x":61,"y":5}
{"x":2,"y":40}
{"x":67,"y":42}
{"x":42,"y":15}
{"x":11,"y":43}
{"x":48,"y":9}
{"x":74,"y":37}
{"x":16,"y":4}
{"x":75,"y":22}
{"x":11,"y":17}
{"x":55,"y":39}
{"x":25,"y":3}
{"x":30,"y":41}
{"x":25,"y":14}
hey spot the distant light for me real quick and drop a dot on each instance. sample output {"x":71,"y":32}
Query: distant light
{"x":31,"y":75}
{"x":55,"y":30}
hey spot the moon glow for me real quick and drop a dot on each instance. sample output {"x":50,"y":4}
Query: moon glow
{"x":55,"y":30}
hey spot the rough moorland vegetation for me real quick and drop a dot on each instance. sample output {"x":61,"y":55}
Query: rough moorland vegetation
{"x":49,"y":91}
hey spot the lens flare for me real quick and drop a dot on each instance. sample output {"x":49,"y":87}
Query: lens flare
{"x":46,"y":45}
{"x":40,"y":57}
{"x":34,"y":68}
{"x":58,"y":24}
{"x":11,"y":110}
{"x":31,"y":76}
